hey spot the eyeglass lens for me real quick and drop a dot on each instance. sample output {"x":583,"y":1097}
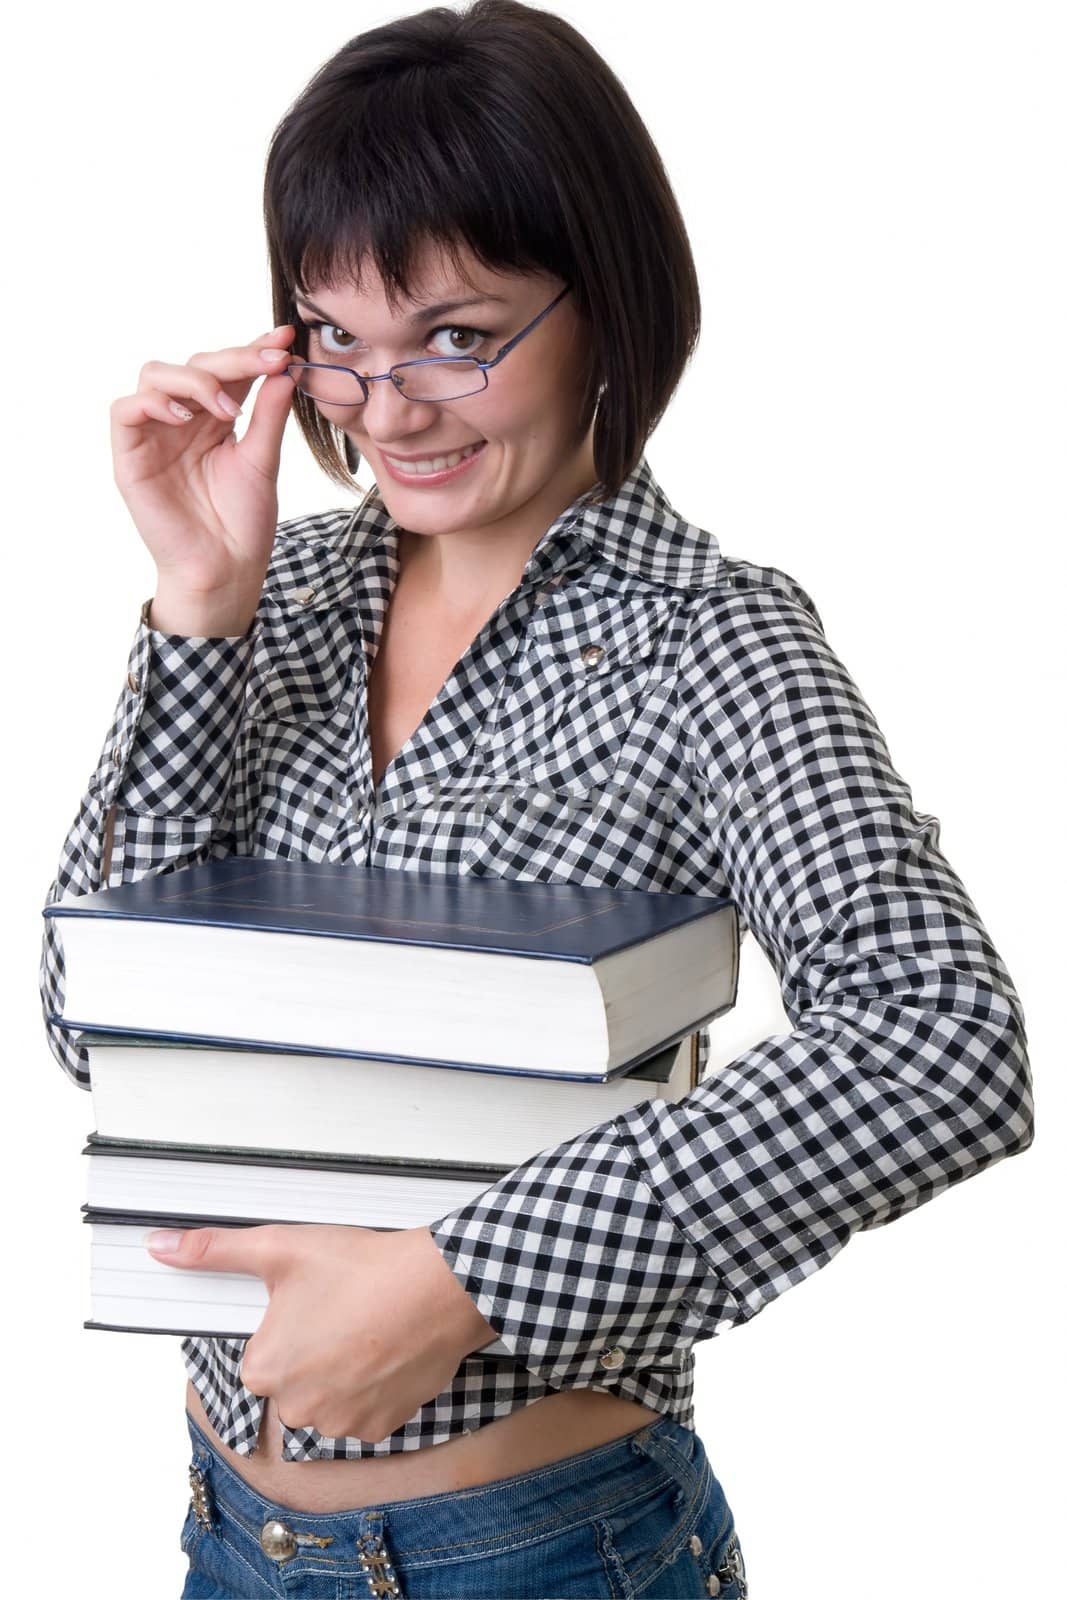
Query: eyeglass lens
{"x":436,"y":380}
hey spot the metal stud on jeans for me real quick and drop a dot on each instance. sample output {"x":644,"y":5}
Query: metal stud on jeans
{"x":277,"y":1540}
{"x":732,"y":1568}
{"x":377,"y":1566}
{"x":201,"y":1501}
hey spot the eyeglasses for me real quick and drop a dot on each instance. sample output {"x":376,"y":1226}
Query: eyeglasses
{"x":431,"y":378}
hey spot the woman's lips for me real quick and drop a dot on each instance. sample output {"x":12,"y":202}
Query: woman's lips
{"x":410,"y":474}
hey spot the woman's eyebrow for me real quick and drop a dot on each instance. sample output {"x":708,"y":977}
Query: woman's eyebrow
{"x":427,"y":314}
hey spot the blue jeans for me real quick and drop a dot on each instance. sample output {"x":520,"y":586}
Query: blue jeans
{"x":643,"y":1515}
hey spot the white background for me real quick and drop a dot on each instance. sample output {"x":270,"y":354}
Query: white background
{"x":875,"y":198}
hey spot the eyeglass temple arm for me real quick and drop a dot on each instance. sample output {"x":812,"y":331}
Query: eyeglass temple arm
{"x":502,"y":352}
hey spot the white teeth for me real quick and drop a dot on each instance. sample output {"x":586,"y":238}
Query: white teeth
{"x":437,"y":464}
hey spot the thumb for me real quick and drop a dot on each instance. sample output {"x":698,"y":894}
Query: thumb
{"x":261,"y":443}
{"x":213,"y":1249}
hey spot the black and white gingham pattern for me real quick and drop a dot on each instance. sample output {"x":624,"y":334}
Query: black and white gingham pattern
{"x":712,"y":743}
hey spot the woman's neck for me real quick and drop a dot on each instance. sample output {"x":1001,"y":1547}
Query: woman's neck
{"x":462,"y":567}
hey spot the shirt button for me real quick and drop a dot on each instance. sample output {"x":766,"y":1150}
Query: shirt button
{"x":696,"y":1543}
{"x":133,"y":681}
{"x":305,"y":596}
{"x":713,"y":1585}
{"x":592,"y":654}
{"x":613,"y":1358}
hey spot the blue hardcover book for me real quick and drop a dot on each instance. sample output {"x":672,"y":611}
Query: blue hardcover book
{"x":495,"y":975}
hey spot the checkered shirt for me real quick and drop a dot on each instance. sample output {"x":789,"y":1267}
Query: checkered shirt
{"x":643,"y":711}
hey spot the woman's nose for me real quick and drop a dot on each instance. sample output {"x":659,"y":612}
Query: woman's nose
{"x":386,"y":415}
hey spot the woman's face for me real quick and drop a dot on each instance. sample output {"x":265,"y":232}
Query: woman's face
{"x":529,"y":455}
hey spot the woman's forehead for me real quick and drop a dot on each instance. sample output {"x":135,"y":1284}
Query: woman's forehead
{"x":431,"y":296}
{"x":437,"y":278}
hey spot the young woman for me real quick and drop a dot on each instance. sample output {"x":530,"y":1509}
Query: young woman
{"x":515,"y":659}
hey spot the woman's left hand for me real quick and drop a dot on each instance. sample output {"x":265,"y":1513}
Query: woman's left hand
{"x":361,"y":1329}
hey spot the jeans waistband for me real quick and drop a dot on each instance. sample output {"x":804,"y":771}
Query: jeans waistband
{"x":582,"y":1485}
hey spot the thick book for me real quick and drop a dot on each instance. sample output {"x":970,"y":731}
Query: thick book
{"x":234,"y":1186}
{"x":131,"y":1292}
{"x":488,"y":974}
{"x":135,"y":1185}
{"x":156,"y":1091}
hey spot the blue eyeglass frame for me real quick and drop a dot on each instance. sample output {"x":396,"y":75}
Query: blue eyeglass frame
{"x":425,"y":361}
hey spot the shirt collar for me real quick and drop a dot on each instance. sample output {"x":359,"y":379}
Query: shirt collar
{"x":639,"y":530}
{"x":636,"y":529}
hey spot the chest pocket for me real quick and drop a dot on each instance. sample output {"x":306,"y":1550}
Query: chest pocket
{"x":577,"y":687}
{"x":297,"y":745}
{"x":302,"y":668}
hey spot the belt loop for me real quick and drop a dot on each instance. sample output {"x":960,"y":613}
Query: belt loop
{"x":656,"y":1442}
{"x":637,"y":1440}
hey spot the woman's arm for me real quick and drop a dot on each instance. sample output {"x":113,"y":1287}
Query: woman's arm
{"x":205,"y":505}
{"x":906,"y":1070}
{"x":159,"y":798}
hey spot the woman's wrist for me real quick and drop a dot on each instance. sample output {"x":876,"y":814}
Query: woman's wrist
{"x":218,"y":616}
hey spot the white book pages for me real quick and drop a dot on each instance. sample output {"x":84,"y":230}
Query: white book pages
{"x":128,"y":1288}
{"x":336,"y":1105}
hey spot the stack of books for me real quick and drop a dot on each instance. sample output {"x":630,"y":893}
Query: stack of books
{"x":283,"y":1041}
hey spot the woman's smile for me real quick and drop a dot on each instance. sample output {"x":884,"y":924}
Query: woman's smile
{"x":427,"y":471}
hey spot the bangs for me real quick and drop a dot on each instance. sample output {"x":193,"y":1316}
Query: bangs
{"x":409,"y":159}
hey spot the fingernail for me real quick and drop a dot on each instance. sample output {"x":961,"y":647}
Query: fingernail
{"x":274,"y":355}
{"x":227,"y":404}
{"x":163,"y":1242}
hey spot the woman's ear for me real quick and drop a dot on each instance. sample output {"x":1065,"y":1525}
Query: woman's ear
{"x":352,"y":456}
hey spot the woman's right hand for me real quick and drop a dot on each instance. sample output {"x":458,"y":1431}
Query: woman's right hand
{"x":205,"y":504}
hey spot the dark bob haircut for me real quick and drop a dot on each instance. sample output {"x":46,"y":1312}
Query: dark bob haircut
{"x":499,"y":127}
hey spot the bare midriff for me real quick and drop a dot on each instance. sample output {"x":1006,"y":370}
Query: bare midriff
{"x":550,"y":1429}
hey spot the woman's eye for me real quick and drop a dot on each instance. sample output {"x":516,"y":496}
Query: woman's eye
{"x":450,"y":340}
{"x":333,"y":340}
{"x":457,"y":341}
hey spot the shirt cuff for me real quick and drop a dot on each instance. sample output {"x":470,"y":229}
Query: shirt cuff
{"x":578,"y":1268}
{"x":175,"y":728}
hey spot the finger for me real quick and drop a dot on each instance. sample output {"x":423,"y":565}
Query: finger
{"x":261,"y":444}
{"x":251,"y":1250}
{"x":202,"y":376}
{"x":239,"y":367}
{"x":195,"y":384}
{"x":243,"y":359}
{"x":255,"y":1370}
{"x":282,"y":334}
{"x":130,"y":414}
{"x":152,"y":405}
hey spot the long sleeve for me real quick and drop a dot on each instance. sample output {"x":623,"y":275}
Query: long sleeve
{"x":905,"y":1070}
{"x":163,"y":779}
